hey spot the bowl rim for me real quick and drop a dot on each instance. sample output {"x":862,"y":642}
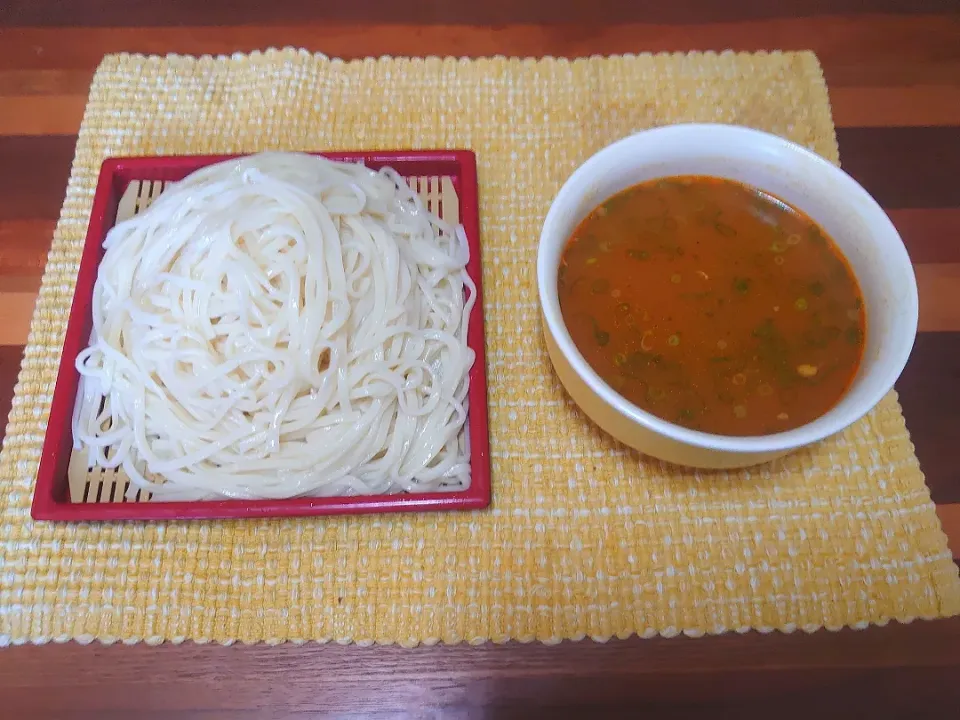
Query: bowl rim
{"x":896,"y":353}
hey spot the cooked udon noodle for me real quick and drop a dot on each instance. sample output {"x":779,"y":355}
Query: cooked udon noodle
{"x":277,"y":326}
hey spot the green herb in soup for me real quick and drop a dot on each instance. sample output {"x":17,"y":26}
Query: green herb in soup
{"x":713,"y":305}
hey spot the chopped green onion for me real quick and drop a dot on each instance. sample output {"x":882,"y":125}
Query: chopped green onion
{"x":724,"y":229}
{"x":854,"y":335}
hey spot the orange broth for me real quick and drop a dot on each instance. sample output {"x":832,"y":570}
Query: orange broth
{"x":713,"y":305}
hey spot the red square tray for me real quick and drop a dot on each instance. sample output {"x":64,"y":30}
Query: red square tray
{"x":52,"y":499}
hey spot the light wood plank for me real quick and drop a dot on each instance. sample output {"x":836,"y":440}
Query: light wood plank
{"x":24,"y":245}
{"x":41,"y":114}
{"x":896,"y":106}
{"x":939,"y":288}
{"x":950,"y":520}
{"x":44,"y":82}
{"x":18,"y":295}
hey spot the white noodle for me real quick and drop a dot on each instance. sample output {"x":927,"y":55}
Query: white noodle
{"x":276,"y":326}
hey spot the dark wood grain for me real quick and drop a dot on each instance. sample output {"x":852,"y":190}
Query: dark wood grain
{"x":854,"y":51}
{"x":902,"y":668}
{"x":10,"y":357}
{"x":931,"y":235}
{"x":929,"y":392}
{"x":33,"y":175}
{"x":492,"y":12}
{"x":904,"y":167}
{"x":885,"y":693}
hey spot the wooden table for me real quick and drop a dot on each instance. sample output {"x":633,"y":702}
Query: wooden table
{"x":894,"y":74}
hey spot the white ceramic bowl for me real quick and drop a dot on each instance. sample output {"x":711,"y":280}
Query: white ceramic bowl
{"x":832,"y":198}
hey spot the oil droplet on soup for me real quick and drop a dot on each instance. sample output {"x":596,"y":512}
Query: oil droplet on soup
{"x":713,"y":305}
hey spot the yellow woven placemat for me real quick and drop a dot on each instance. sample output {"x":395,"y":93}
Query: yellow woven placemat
{"x":584,"y":538}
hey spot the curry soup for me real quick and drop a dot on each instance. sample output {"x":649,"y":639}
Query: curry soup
{"x":713,"y":305}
